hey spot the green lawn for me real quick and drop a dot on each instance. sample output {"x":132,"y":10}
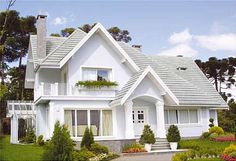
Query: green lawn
{"x":10,"y":152}
{"x":206,"y":144}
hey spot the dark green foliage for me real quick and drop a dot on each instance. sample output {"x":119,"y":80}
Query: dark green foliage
{"x":60,"y":147}
{"x":99,"y":149}
{"x":173,"y":134}
{"x":40,"y":140}
{"x":96,"y":84}
{"x":87,"y":139}
{"x":227,"y":118}
{"x":83,"y":155}
{"x":205,"y":135}
{"x":147,"y":136}
{"x":30,"y":136}
{"x":211,"y":120}
{"x":55,"y":35}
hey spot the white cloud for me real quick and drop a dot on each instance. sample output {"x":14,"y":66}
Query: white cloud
{"x":181,"y":49}
{"x":217,"y":42}
{"x":180,"y":37}
{"x":59,"y":21}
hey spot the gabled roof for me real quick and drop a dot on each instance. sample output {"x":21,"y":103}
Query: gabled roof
{"x":75,"y":41}
{"x":133,"y":83}
{"x":51,"y":44}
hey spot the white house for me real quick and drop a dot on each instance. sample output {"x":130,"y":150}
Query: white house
{"x":154,"y":90}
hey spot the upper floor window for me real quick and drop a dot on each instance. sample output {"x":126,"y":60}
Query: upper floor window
{"x":93,"y":74}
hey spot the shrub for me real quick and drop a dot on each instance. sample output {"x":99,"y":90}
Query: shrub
{"x":60,"y":147}
{"x":99,"y":149}
{"x":211,"y":120}
{"x":180,"y":157}
{"x":173,"y":134}
{"x":87,"y":139}
{"x":96,"y":84}
{"x":133,"y":148}
{"x":30,"y":136}
{"x":40,"y":140}
{"x":230,"y":149}
{"x":205,"y":135}
{"x":83,"y":155}
{"x":213,"y":136}
{"x":147,"y":136}
{"x":216,"y":129}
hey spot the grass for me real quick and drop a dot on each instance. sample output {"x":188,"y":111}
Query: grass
{"x":210,"y":159}
{"x":203,"y":143}
{"x":10,"y":152}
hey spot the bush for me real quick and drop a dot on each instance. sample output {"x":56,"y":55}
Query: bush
{"x":205,"y":135}
{"x":133,"y":148}
{"x":173,"y":134}
{"x":40,"y":140}
{"x":216,"y":129}
{"x":87,"y":139}
{"x":180,"y":157}
{"x":211,"y":120}
{"x":60,"y":147}
{"x":30,"y":136}
{"x":213,"y":136}
{"x":147,"y":136}
{"x":230,"y":149}
{"x":83,"y":155}
{"x":225,"y":138}
{"x":99,"y":149}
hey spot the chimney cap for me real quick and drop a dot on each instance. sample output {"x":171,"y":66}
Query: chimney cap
{"x":41,"y":16}
{"x":137,"y":46}
{"x":180,"y":56}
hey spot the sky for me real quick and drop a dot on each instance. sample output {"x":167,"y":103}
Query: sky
{"x":198,"y":29}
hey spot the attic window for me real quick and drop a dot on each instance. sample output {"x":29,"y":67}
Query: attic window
{"x":181,"y":68}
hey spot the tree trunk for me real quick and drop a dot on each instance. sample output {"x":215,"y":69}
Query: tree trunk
{"x":216,"y":84}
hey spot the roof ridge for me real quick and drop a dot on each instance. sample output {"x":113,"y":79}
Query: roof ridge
{"x":71,"y":35}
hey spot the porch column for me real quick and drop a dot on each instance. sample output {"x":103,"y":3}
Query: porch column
{"x":129,"y":128}
{"x":161,"y":132}
{"x":14,"y":129}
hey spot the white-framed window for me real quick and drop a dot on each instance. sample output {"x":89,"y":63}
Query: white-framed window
{"x":183,"y":116}
{"x":96,"y":74}
{"x":99,"y":121}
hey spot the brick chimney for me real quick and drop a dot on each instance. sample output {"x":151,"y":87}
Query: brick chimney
{"x":41,"y":36}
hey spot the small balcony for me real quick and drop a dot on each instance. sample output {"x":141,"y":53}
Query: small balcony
{"x":71,"y":91}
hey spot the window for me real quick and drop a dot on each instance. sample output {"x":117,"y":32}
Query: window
{"x":181,"y":116}
{"x":96,"y":74}
{"x":100,"y":122}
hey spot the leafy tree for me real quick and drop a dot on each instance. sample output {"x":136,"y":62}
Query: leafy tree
{"x":55,"y":35}
{"x":3,"y":90}
{"x":67,"y":31}
{"x":87,"y":139}
{"x":173,"y":134}
{"x":60,"y":147}
{"x":86,"y":28}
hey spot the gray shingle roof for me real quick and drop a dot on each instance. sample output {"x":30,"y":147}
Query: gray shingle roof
{"x":61,"y":51}
{"x":190,"y":86}
{"x":51,"y":44}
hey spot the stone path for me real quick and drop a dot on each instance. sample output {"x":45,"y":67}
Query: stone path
{"x":147,"y":157}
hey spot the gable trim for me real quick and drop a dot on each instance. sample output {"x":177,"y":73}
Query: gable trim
{"x":96,"y":28}
{"x":158,"y":79}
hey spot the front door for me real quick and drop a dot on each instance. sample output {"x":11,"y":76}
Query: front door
{"x":139,"y":120}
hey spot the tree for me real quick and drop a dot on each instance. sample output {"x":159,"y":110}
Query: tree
{"x":87,"y":139}
{"x":147,"y":136}
{"x":116,"y":32}
{"x":55,"y":35}
{"x":60,"y":147}
{"x":219,"y":71}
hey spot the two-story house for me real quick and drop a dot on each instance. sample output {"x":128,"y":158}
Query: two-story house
{"x":154,"y":90}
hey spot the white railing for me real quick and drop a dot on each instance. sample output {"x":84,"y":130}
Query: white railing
{"x":64,"y":89}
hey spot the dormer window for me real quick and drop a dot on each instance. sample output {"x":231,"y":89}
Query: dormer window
{"x":93,"y":74}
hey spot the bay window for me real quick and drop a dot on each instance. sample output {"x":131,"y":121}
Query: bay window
{"x":99,"y":121}
{"x":93,"y":74}
{"x":186,"y":116}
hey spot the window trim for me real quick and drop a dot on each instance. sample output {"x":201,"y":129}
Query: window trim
{"x":110,"y":75}
{"x":88,"y":121}
{"x":178,"y":120}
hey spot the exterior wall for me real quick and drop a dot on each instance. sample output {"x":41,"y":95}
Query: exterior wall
{"x":120,"y":115}
{"x":195,"y":130}
{"x":41,"y":120}
{"x":49,"y":75}
{"x":97,"y":53}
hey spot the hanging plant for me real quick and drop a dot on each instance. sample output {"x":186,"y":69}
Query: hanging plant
{"x":96,"y":84}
